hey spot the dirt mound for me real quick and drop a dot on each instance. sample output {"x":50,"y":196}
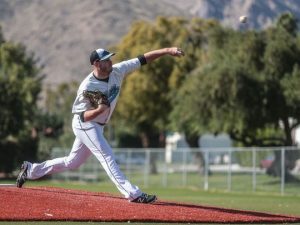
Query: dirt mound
{"x":49,"y":204}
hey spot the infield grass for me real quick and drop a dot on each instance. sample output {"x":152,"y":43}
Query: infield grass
{"x":258,"y":201}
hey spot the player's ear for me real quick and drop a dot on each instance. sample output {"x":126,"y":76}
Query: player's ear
{"x":96,"y":63}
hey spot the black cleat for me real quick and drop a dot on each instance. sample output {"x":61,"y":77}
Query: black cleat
{"x":22,"y":177}
{"x":145,"y":198}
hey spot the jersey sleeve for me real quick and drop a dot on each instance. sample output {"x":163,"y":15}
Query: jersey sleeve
{"x":128,"y":66}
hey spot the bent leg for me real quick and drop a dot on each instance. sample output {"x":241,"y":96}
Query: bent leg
{"x":93,"y":138}
{"x":77,"y":156}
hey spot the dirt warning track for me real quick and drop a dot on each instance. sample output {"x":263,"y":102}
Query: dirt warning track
{"x":57,"y":204}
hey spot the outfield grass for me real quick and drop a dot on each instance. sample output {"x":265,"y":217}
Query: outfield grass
{"x":258,"y":201}
{"x":240,"y":182}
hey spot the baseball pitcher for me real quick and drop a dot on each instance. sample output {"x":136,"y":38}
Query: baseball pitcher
{"x":94,"y":104}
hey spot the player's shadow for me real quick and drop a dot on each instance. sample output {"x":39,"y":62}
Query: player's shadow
{"x":223,"y":210}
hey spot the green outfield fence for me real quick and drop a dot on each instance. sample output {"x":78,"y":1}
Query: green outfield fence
{"x":229,"y":169}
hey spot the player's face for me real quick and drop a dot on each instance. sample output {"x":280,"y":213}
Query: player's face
{"x":105,"y":65}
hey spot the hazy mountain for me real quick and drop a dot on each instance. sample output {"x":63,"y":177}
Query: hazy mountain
{"x":62,"y":33}
{"x":261,"y":13}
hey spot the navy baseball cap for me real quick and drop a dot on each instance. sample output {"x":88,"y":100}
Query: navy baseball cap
{"x":100,"y":54}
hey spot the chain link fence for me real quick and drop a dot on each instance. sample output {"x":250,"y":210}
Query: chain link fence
{"x":230,"y":169}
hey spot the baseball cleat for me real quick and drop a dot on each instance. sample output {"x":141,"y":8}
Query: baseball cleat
{"x":22,"y":177}
{"x":145,"y":198}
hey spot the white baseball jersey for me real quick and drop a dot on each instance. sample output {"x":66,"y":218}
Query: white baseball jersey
{"x":111,"y":89}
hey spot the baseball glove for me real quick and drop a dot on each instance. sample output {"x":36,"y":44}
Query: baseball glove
{"x":96,"y":98}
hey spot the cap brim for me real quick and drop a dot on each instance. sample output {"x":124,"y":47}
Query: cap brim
{"x":107,"y":56}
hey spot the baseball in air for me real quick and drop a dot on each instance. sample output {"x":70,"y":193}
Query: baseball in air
{"x":243,"y":19}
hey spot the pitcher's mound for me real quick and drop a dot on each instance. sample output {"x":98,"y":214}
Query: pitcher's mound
{"x":44,"y":203}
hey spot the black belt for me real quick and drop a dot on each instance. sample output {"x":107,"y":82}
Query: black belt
{"x":101,"y":124}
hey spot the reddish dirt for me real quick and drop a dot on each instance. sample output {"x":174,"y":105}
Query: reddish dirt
{"x":49,"y":204}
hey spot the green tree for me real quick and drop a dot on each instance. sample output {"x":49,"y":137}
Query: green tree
{"x":146,"y":90}
{"x":282,"y":68}
{"x":145,"y":100}
{"x":20,"y":85}
{"x":245,"y":87}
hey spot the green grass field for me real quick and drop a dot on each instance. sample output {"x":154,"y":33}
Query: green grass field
{"x":218,"y":181}
{"x":258,"y":201}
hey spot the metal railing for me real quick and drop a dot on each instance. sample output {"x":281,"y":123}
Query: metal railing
{"x":231,"y":169}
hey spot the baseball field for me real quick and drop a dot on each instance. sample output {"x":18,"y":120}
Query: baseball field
{"x":213,"y":204}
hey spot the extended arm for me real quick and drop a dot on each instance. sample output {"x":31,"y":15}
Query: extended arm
{"x":173,"y":51}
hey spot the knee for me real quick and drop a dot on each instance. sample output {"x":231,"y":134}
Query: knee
{"x":71,"y":163}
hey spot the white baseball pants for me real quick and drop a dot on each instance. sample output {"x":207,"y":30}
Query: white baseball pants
{"x":89,"y":140}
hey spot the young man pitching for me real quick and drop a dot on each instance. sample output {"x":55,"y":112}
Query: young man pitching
{"x":94,"y":104}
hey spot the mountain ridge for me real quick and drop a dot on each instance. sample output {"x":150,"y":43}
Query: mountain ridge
{"x":62,"y":34}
